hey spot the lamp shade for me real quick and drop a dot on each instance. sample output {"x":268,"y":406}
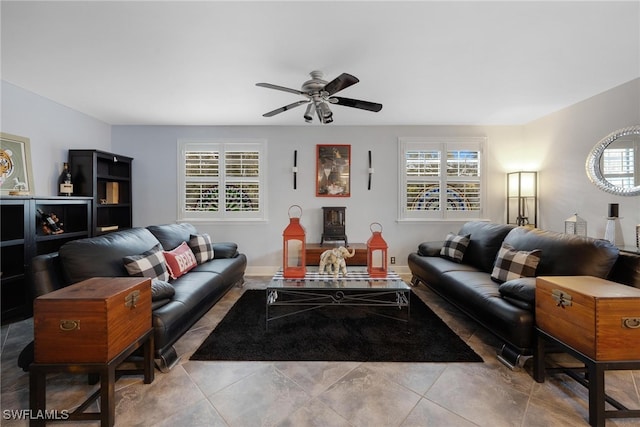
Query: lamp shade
{"x":294,"y":247}
{"x":376,"y":253}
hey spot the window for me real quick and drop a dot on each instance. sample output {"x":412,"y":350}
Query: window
{"x":618,"y":166}
{"x":440,"y":178}
{"x":222,"y":180}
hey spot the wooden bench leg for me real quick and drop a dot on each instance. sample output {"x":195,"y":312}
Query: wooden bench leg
{"x":538,"y":360}
{"x":149,"y":369}
{"x":596,"y":395}
{"x":107,"y":396}
{"x":37,"y":395}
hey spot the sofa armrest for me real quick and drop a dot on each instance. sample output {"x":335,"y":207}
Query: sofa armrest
{"x":46,"y":275}
{"x":521,"y":292}
{"x":225,"y":250}
{"x":430,"y":248}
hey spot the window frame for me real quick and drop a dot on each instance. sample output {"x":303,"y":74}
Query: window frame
{"x":442,"y":145}
{"x":222,"y":146}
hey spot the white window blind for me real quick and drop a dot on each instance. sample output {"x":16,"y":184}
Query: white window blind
{"x":618,"y":166}
{"x":222,"y":180}
{"x":440,"y":179}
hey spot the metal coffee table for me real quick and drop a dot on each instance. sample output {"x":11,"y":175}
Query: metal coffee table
{"x":357,"y":289}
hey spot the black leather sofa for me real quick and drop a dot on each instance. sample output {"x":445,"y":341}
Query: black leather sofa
{"x":508,"y":309}
{"x":194,"y":293}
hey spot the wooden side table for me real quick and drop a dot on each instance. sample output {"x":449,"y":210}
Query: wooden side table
{"x":107,"y":374}
{"x":593,"y":380}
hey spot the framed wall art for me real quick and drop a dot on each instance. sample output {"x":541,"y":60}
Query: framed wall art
{"x":16,"y":178}
{"x":333,"y":170}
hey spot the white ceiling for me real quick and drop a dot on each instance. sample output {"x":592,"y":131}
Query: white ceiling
{"x":427,"y":62}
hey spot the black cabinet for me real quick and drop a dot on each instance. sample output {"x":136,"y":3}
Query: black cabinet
{"x":23,"y":237}
{"x":106,"y":178}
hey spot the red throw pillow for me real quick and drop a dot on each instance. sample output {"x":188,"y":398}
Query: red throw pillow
{"x":180,"y":260}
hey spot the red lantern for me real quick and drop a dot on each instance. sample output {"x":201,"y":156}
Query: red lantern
{"x":294,"y":249}
{"x":376,"y":253}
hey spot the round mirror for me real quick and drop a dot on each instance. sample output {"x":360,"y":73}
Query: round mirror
{"x":613,"y":165}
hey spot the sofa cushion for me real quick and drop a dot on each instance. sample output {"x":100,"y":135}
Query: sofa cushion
{"x":180,"y":260}
{"x":161,"y":289}
{"x":225,"y":250}
{"x":202,"y":247}
{"x":454,"y":247}
{"x":172,"y":235}
{"x":565,"y":254}
{"x":430,"y":248}
{"x":511,"y":264}
{"x":150,"y":263}
{"x":486,"y":239}
{"x":521,"y":289}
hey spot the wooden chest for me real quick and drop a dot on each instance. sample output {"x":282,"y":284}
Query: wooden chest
{"x":599,"y":318}
{"x":91,"y":321}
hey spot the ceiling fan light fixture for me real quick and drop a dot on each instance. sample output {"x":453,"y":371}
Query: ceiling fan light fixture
{"x":326,"y":112}
{"x":308,"y":115}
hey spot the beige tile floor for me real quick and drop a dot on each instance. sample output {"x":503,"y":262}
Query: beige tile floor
{"x":196,"y":393}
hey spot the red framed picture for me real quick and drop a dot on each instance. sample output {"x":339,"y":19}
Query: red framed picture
{"x":333,"y":170}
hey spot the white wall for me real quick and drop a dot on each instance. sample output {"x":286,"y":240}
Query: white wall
{"x":560,"y":143}
{"x":154,"y":149}
{"x":52,"y":129}
{"x":557,"y":145}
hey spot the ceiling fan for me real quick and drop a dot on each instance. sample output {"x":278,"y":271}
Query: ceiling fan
{"x":319,"y":94}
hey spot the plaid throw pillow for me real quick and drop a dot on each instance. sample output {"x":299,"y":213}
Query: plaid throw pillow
{"x":148,"y":264}
{"x":454,"y":247}
{"x":202,"y":247}
{"x":511,"y":264}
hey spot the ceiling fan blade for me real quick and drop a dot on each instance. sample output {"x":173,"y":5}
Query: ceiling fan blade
{"x":356,"y":103}
{"x":343,"y":81}
{"x":285,"y":108}
{"x":276,"y":87}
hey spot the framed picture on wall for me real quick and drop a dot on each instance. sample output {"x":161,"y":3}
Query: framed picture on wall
{"x":16,"y":178}
{"x":333,"y":170}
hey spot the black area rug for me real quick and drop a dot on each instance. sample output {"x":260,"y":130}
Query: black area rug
{"x":335,"y":333}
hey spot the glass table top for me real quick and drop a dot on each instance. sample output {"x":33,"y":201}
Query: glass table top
{"x":356,"y":278}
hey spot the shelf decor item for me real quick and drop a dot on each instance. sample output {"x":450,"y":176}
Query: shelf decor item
{"x":376,"y":253}
{"x":50,"y":222}
{"x":65,"y":184}
{"x":16,"y":178}
{"x":522,"y":198}
{"x":294,"y":247}
{"x":575,"y":225}
{"x":112,"y":193}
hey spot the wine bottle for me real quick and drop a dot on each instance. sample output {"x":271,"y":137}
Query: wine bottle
{"x":64,"y":182}
{"x":48,"y":222}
